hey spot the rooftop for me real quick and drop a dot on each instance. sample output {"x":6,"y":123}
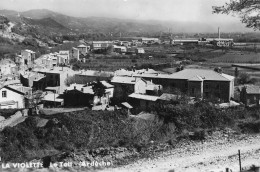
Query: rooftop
{"x":29,"y":51}
{"x":57,"y":70}
{"x":82,"y":46}
{"x":144,"y":97}
{"x":52,"y":97}
{"x":204,"y":74}
{"x":95,"y":73}
{"x":124,"y":80}
{"x":250,"y":89}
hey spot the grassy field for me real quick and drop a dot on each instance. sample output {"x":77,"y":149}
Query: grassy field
{"x":238,"y":58}
{"x":112,"y":64}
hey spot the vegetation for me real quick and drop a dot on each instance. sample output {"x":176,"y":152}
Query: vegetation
{"x":92,"y":129}
{"x":244,"y":78}
{"x":247,"y":10}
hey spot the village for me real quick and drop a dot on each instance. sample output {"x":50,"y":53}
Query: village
{"x":129,"y":85}
{"x":50,"y":81}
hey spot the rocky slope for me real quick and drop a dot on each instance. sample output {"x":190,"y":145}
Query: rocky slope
{"x":217,"y":152}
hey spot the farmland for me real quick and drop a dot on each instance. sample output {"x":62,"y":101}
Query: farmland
{"x":238,"y":58}
{"x":114,"y":63}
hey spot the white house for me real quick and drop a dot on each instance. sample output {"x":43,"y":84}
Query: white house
{"x":75,"y":53}
{"x":7,"y":66}
{"x":26,"y":58}
{"x":83,"y":49}
{"x":146,"y":87}
{"x":11,"y":98}
{"x":139,"y":51}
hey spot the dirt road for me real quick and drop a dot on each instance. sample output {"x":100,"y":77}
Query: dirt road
{"x":208,"y":156}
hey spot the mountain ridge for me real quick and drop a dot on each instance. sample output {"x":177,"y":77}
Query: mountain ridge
{"x":107,"y":25}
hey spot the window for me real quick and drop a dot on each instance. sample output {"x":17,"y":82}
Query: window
{"x":4,"y":94}
{"x":217,"y":86}
{"x":206,"y":86}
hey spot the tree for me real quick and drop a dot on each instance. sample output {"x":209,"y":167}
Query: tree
{"x":218,"y":69}
{"x":179,"y":68}
{"x":99,"y":89}
{"x":247,"y":10}
{"x":236,"y":72}
{"x":244,"y":78}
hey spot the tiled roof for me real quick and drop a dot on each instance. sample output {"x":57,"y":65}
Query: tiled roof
{"x":252,"y":89}
{"x":203,"y":73}
{"x":196,"y":78}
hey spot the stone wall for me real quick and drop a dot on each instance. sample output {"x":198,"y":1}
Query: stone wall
{"x":13,"y":118}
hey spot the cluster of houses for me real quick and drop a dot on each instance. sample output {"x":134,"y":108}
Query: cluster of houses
{"x":62,"y":86}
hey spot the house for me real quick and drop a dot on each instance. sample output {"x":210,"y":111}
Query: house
{"x":149,"y":40}
{"x":26,"y":59}
{"x":50,"y":60}
{"x":145,"y":95}
{"x":12,"y":97}
{"x":65,"y":55}
{"x":139,"y":51}
{"x":54,"y":59}
{"x":83,"y":49}
{"x":120,"y":49}
{"x":221,"y":42}
{"x":124,"y":86}
{"x":56,"y":76}
{"x":35,"y":80}
{"x":249,"y":94}
{"x":197,"y":83}
{"x":52,"y":100}
{"x":101,"y":45}
{"x":84,"y":95}
{"x":143,"y":101}
{"x":75,"y":53}
{"x":125,"y":43}
{"x":8,"y":67}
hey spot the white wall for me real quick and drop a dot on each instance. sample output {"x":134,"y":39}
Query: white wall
{"x":111,"y":90}
{"x":140,"y":87}
{"x":12,"y":96}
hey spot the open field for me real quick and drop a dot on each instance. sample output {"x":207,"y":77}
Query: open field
{"x":112,"y":64}
{"x":238,"y":58}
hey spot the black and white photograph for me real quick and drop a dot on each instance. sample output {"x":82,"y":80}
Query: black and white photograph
{"x":129,"y":85}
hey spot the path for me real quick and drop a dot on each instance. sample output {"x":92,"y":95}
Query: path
{"x":200,"y":157}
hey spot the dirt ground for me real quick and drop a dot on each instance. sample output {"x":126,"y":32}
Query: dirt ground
{"x":206,"y":156}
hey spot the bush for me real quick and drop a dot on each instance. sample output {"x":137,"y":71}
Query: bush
{"x":249,"y":126}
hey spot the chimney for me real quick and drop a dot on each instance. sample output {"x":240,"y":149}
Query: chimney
{"x":218,"y":32}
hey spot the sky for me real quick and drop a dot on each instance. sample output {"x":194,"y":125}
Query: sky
{"x":167,"y":10}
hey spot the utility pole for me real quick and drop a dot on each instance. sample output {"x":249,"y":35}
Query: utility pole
{"x":239,"y":158}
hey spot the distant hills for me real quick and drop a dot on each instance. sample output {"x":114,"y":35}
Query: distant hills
{"x":56,"y":22}
{"x":74,"y":24}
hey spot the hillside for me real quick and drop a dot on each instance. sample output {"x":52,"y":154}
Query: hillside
{"x":45,"y":24}
{"x":116,"y":25}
